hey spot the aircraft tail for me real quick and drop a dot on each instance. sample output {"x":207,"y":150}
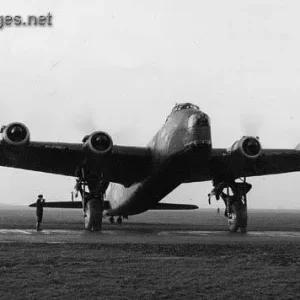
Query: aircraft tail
{"x":61,"y":204}
{"x":78,"y":204}
{"x":66,"y":204}
{"x":174,"y":206}
{"x":297,"y":147}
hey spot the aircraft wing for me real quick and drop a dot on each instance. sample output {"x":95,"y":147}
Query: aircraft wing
{"x":123,"y":165}
{"x":270,"y":161}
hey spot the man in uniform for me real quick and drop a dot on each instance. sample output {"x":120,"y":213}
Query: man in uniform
{"x":39,"y":212}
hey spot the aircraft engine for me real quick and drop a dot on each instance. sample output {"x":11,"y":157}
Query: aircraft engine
{"x":247,"y":146}
{"x":15,"y":134}
{"x":99,"y":143}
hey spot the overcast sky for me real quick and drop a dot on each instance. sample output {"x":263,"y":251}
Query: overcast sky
{"x":120,"y":66}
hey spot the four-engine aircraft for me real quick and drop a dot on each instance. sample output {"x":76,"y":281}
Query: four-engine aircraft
{"x":122,"y":181}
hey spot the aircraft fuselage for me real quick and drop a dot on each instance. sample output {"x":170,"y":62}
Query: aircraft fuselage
{"x":180,"y":150}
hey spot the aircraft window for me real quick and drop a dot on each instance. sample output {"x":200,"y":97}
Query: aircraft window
{"x":197,"y":119}
{"x":205,"y":122}
{"x":185,"y":106}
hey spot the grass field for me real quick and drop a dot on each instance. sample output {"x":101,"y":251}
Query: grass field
{"x":202,"y":219}
{"x":151,"y":271}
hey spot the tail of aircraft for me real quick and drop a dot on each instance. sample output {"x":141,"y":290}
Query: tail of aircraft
{"x":297,"y":147}
{"x":78,"y":204}
{"x":61,"y":204}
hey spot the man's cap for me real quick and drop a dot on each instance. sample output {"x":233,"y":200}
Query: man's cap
{"x":40,"y":196}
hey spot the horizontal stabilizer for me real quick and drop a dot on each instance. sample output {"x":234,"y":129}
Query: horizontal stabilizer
{"x":173,"y":206}
{"x":66,"y":204}
{"x":61,"y":204}
{"x":78,"y":204}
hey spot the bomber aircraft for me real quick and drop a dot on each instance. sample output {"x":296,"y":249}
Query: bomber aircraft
{"x":120,"y":180}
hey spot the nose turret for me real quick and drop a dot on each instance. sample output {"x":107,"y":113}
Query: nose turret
{"x":198,"y":126}
{"x":198,"y":119}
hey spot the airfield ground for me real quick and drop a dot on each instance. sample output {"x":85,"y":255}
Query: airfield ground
{"x":198,"y":267}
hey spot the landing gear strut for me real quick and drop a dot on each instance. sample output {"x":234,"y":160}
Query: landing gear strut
{"x":236,"y":204}
{"x":92,"y":200}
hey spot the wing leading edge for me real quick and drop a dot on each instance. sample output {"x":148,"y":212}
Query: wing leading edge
{"x":124,"y":165}
{"x":271,"y":161}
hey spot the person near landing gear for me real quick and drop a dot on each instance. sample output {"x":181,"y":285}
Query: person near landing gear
{"x":39,"y":212}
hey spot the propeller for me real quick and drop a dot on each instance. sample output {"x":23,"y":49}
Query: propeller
{"x":85,"y":123}
{"x":251,"y":124}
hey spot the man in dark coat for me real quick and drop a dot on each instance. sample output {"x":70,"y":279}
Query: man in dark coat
{"x":39,"y":212}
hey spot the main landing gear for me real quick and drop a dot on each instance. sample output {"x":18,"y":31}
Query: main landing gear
{"x":235,"y":199}
{"x":92,"y":201}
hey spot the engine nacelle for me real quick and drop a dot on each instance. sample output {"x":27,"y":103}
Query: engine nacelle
{"x":247,"y":146}
{"x":15,"y":134}
{"x":99,"y":143}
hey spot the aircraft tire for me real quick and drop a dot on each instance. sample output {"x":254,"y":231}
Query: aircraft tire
{"x":243,"y":218}
{"x":238,"y":217}
{"x":93,"y":215}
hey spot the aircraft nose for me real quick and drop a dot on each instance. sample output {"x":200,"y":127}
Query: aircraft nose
{"x":198,"y":120}
{"x":199,"y":128}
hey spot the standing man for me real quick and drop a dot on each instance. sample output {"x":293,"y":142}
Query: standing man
{"x":39,"y":212}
